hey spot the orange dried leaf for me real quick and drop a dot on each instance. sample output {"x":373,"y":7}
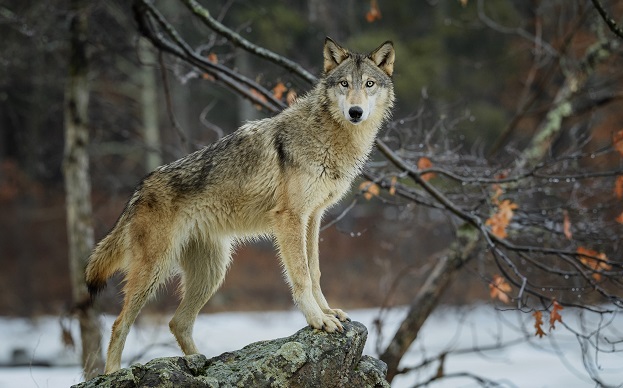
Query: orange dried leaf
{"x":555,"y":315}
{"x":566,"y":226}
{"x":538,"y":322}
{"x":617,"y":141}
{"x":370,"y":189}
{"x":502,"y":218}
{"x":278,"y":90}
{"x":374,"y":13}
{"x":207,"y":77}
{"x":594,"y":260}
{"x":392,"y":186}
{"x":497,"y":189}
{"x":619,"y":219}
{"x":499,"y":289}
{"x":618,"y":187}
{"x":422,"y":164}
{"x":213,"y":58}
{"x":291,"y":97}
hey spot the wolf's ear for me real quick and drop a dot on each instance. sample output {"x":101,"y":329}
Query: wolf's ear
{"x":334,"y":54}
{"x":384,"y":57}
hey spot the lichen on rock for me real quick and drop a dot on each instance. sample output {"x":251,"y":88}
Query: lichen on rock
{"x":309,"y":358}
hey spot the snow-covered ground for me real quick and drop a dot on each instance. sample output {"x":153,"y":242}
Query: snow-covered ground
{"x":553,"y":361}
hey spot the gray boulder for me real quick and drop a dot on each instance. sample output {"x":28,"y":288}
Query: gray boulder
{"x":309,"y":358}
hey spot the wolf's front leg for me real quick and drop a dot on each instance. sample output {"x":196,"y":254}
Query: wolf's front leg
{"x":313,"y":231}
{"x":289,"y":228}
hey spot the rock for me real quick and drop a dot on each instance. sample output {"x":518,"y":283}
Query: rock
{"x":309,"y":358}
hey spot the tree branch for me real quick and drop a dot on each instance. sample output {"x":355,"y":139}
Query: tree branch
{"x":241,"y":42}
{"x":242,"y":85}
{"x":562,"y":106}
{"x":609,"y":21}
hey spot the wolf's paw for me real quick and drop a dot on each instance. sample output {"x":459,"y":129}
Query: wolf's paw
{"x":339,"y":314}
{"x":326,"y":322}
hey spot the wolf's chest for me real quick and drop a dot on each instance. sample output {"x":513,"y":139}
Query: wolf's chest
{"x":332,"y":168}
{"x":330,"y":178}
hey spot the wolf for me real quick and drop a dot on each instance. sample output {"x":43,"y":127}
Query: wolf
{"x":272,"y":177}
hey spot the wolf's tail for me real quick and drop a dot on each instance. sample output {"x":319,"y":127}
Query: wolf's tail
{"x":106,"y":259}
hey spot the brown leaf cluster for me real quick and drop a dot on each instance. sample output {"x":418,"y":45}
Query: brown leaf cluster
{"x":594,"y":260}
{"x":502,"y":218}
{"x":212,"y":57}
{"x":369,"y":189}
{"x":554,"y":316}
{"x":422,"y":164}
{"x":280,"y":89}
{"x":538,"y":323}
{"x":392,"y":187}
{"x":374,"y":13}
{"x":499,"y":289}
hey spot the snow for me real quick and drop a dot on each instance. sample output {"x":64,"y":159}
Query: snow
{"x":553,"y":361}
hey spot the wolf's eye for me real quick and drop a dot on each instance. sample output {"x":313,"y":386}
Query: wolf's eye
{"x":344,"y":84}
{"x":369,"y":84}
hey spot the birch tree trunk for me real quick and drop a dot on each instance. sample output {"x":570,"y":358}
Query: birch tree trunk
{"x":78,"y":187}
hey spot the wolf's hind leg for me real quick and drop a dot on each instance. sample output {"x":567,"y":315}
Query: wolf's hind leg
{"x":142,"y":280}
{"x":204,"y":264}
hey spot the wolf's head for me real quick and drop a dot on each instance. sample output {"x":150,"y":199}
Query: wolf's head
{"x":359,"y":86}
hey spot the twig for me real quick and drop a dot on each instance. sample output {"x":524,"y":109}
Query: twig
{"x":167,"y":98}
{"x":618,"y":31}
{"x":340,"y":216}
{"x":509,"y":30}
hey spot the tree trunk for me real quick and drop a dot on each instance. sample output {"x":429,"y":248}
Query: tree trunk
{"x":78,"y":187}
{"x":427,"y":299}
{"x":246,"y":110}
{"x":563,"y":107}
{"x":149,"y":105}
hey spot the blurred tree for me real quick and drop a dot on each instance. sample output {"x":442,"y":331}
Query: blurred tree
{"x":78,"y":187}
{"x":149,"y":106}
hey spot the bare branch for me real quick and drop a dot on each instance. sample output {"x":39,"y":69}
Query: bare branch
{"x":510,"y":30}
{"x":618,"y":31}
{"x":167,"y":98}
{"x":241,"y":42}
{"x":145,"y":12}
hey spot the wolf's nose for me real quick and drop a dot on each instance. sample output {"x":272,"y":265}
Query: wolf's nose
{"x":355,"y":112}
